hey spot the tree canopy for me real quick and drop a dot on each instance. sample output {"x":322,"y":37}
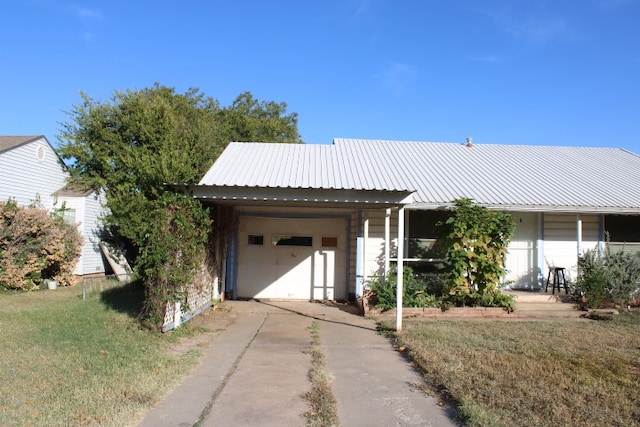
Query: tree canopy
{"x":136,"y":143}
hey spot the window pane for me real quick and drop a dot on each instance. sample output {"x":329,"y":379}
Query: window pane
{"x":280,"y":240}
{"x":67,"y":215}
{"x":255,"y":239}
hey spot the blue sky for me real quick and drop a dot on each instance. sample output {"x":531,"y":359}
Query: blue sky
{"x":556,"y":72}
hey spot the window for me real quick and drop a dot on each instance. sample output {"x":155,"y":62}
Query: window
{"x":255,"y":239}
{"x":329,"y":242}
{"x":423,"y":232}
{"x":66,"y":215}
{"x":282,"y":240}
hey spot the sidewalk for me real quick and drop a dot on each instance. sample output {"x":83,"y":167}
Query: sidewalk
{"x":255,"y":373}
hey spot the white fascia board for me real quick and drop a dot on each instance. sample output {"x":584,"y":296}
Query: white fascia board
{"x":534,"y":208}
{"x":300,"y":195}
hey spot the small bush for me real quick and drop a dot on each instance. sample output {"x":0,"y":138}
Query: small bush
{"x":34,"y":246}
{"x":610,"y":279}
{"x":416,"y":292}
{"x":487,"y":299}
{"x":431,"y":291}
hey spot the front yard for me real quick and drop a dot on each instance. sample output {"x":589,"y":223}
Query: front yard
{"x":526,"y":373}
{"x":68,"y":361}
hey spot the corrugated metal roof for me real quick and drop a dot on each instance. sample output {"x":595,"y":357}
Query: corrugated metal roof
{"x":497,"y":175}
{"x":263,"y":165}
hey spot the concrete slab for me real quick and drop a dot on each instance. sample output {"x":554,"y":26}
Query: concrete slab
{"x":255,"y":373}
{"x":185,"y":405}
{"x":375,"y":385}
{"x":269,"y":383}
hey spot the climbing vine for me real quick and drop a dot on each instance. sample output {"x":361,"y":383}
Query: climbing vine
{"x":172,"y":251}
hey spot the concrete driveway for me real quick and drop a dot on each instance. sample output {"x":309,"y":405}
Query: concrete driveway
{"x":255,"y":373}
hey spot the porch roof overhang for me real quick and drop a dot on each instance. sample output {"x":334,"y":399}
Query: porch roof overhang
{"x":307,"y":197}
{"x":615,"y":210}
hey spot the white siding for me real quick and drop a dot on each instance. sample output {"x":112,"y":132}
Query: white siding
{"x":560,"y":239}
{"x":89,"y":209}
{"x":374,"y":247}
{"x":33,"y":172}
{"x":27,"y":178}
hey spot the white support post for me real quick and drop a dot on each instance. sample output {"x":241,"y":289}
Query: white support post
{"x":400,"y":270}
{"x":542,"y":265}
{"x":579,"y":235}
{"x":387,"y":242}
{"x":365,"y":238}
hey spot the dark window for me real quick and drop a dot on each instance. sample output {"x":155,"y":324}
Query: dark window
{"x":423,"y":231}
{"x":255,"y":239}
{"x":622,"y":228}
{"x":280,"y":240}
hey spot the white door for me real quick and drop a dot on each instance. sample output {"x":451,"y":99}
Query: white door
{"x":291,"y":258}
{"x":521,"y":256}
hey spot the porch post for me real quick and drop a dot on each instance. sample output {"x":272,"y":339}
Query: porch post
{"x":579,"y":235}
{"x":601,"y":236}
{"x":400,"y":289}
{"x":387,"y":241}
{"x":542,"y":265}
{"x":365,"y":239}
{"x":359,"y":247}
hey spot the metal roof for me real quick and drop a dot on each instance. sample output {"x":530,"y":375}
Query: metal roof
{"x":502,"y":176}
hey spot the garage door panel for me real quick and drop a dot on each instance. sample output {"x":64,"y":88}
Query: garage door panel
{"x":291,"y":271}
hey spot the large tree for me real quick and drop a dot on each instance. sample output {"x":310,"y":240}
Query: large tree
{"x":137,"y":142}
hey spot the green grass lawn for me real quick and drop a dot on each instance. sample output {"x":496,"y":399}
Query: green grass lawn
{"x":526,"y":373}
{"x":68,"y":361}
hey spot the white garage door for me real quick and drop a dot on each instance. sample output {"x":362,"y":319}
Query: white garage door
{"x":292,"y":258}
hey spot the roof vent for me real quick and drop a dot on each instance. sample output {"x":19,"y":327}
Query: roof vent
{"x":469,"y":142}
{"x":40,"y":153}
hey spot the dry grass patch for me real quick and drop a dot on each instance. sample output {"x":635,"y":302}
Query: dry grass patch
{"x":503,"y":373}
{"x":323,"y":410}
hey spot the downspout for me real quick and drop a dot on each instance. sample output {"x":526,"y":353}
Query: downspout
{"x":387,"y":242}
{"x":400,"y":270}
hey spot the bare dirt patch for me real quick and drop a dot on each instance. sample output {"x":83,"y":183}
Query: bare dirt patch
{"x":202,"y":330}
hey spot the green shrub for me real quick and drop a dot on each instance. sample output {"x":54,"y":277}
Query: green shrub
{"x":608,"y":279}
{"x":416,"y":292}
{"x":431,"y":291}
{"x":485,"y":299}
{"x":35,"y":246}
{"x":476,"y":241}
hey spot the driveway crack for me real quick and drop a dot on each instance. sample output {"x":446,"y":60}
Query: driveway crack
{"x":232,"y":370}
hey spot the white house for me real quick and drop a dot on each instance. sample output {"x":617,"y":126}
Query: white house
{"x":317,"y":221}
{"x":32,"y":173}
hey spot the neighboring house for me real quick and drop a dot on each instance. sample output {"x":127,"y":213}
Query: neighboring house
{"x":31,"y":173}
{"x":317,"y":221}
